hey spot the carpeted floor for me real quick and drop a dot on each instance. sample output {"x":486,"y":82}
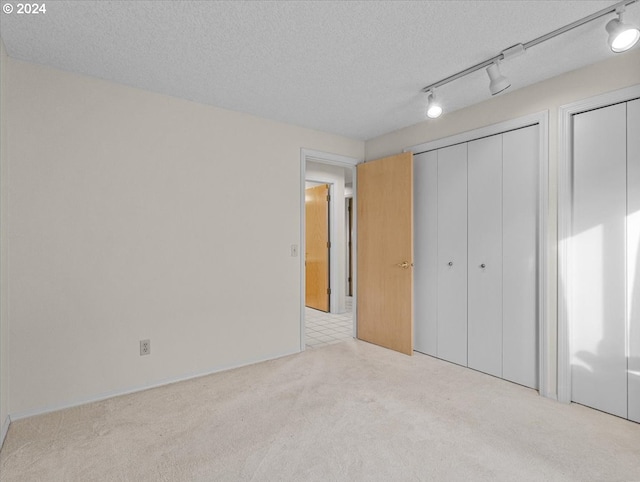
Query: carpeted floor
{"x":350,"y":411}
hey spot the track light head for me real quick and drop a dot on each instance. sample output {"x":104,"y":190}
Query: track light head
{"x":622,"y":36}
{"x":498,"y":81}
{"x":434,"y":109}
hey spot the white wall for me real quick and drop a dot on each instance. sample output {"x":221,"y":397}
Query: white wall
{"x":4,"y":361}
{"x":135,"y":215}
{"x":334,"y":175}
{"x":615,"y":73}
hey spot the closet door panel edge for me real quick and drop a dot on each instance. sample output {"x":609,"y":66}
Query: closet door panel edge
{"x":598,"y":320}
{"x":633,"y":257}
{"x":452,"y":254}
{"x":485,"y":255}
{"x":520,"y":260}
{"x":425,"y":172}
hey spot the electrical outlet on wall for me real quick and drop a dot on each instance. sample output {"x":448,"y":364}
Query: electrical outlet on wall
{"x":145,"y":347}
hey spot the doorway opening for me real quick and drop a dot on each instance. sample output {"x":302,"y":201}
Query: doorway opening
{"x":327,"y":252}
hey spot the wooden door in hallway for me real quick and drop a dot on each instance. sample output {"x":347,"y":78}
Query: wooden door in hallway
{"x":350,"y":246}
{"x":385,"y":252}
{"x":317,"y":247}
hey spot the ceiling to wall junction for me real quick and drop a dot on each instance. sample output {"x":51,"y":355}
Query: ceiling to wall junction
{"x":352,"y":68}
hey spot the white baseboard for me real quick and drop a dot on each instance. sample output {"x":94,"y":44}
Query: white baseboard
{"x":127,"y":391}
{"x":4,"y":429}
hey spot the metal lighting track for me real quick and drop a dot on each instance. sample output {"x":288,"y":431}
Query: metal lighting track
{"x":521,"y":48}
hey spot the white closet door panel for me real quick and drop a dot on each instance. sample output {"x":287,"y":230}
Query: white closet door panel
{"x":598,"y":321}
{"x":425,"y":177}
{"x":452,"y":254}
{"x":519,"y":258}
{"x":633,"y":256}
{"x":485,"y":255}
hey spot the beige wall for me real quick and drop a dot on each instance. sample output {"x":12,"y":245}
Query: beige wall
{"x":615,"y":73}
{"x":135,"y":215}
{"x":4,"y":327}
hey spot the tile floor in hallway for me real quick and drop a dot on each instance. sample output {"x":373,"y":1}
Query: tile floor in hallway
{"x":323,"y":329}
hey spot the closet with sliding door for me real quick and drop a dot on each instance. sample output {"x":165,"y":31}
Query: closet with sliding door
{"x":476,"y":254}
{"x":603,"y":282}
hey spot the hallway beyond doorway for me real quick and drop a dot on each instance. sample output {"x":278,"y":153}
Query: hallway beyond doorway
{"x":323,"y":329}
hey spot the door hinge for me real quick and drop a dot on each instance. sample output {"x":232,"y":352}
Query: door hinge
{"x":328,"y":244}
{"x":328,"y":291}
{"x":328,"y":197}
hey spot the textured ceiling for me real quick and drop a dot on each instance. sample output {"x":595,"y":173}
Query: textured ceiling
{"x":352,"y":68}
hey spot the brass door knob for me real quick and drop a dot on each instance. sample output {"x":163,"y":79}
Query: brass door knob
{"x":404,"y":264}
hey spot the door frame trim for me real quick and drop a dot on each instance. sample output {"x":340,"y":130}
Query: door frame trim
{"x":544,"y":329}
{"x":565,"y":221}
{"x":332,"y":160}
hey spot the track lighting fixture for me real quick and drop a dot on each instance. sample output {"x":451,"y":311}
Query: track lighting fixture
{"x":498,"y":81}
{"x":434,"y":109}
{"x":622,"y":36}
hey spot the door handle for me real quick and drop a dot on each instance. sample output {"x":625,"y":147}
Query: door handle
{"x":404,"y":265}
{"x":450,"y":263}
{"x":483,"y":265}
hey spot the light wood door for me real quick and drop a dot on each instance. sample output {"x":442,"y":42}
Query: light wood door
{"x":350,"y":246}
{"x":484,"y":324}
{"x":317,"y":247}
{"x":598,"y":325}
{"x":452,"y":254}
{"x":385,"y":252}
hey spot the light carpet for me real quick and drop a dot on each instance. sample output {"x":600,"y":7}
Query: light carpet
{"x":349,"y":411}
